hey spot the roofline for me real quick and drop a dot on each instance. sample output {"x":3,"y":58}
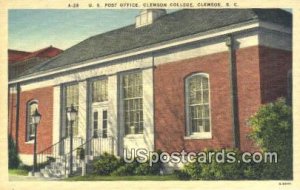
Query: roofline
{"x":159,"y":46}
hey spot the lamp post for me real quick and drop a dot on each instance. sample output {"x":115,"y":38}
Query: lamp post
{"x":36,"y":117}
{"x":71,"y":114}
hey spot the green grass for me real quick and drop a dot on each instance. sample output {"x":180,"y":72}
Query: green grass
{"x":18,"y":172}
{"x":122,"y":178}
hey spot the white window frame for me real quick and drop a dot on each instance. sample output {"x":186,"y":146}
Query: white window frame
{"x":121,"y":101}
{"x":91,"y":81}
{"x":196,"y":135}
{"x":65,"y":122}
{"x":29,"y":103}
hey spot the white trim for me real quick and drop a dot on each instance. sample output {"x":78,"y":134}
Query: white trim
{"x":176,"y":42}
{"x":197,"y":135}
{"x":29,"y":142}
{"x":56,"y":114}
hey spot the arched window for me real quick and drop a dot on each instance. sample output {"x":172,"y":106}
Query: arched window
{"x":31,"y":107}
{"x":197,"y":92}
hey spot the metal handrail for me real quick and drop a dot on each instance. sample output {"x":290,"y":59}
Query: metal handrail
{"x":44,"y":150}
{"x":53,"y":152}
{"x":66,"y":156}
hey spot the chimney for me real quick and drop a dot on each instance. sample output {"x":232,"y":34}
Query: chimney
{"x":148,"y":16}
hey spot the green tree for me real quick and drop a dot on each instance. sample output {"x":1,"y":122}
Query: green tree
{"x":13,"y":157}
{"x":272,"y":131}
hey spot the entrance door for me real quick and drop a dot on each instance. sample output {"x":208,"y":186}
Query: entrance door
{"x":101,"y":141}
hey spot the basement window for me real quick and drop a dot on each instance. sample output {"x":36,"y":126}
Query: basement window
{"x":197,"y":92}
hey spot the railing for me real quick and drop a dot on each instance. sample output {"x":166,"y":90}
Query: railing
{"x":96,"y":146}
{"x":56,"y":151}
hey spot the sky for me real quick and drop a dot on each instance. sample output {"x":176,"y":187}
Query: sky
{"x":34,"y":29}
{"x":30,"y":30}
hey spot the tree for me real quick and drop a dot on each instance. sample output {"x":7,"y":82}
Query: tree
{"x":272,"y":131}
{"x":13,"y":157}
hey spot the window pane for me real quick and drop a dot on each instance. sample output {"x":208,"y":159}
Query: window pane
{"x":32,"y":106}
{"x":132,"y":101}
{"x":205,"y":96}
{"x":206,"y":125}
{"x":99,"y":90}
{"x":198,"y":102}
{"x":104,"y":124}
{"x":205,"y":83}
{"x":95,"y":116}
{"x":71,"y":97}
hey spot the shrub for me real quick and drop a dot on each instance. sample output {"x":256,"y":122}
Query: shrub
{"x":13,"y":157}
{"x":214,"y":170}
{"x":220,"y":171}
{"x":106,"y":164}
{"x":272,"y":131}
{"x":126,"y":169}
{"x":136,"y":168}
{"x":182,"y":174}
{"x":80,"y":153}
{"x":146,"y":169}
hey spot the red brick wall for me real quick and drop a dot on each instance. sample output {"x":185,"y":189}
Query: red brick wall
{"x":274,"y":67}
{"x":249,"y":94}
{"x":169,"y":99}
{"x":12,"y":115}
{"x":45,"y":107}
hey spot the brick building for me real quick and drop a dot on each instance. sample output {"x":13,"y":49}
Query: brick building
{"x":20,"y":61}
{"x":185,"y":80}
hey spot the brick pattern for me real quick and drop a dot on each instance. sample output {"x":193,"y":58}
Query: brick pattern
{"x":170,"y":107}
{"x":258,"y":82}
{"x":274,"y":67}
{"x":12,"y":115}
{"x":261,"y":78}
{"x":44,"y":131}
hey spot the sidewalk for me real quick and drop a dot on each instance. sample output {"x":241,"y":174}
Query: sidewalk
{"x":27,"y":178}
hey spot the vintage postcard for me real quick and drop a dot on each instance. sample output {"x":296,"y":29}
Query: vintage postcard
{"x":148,"y":95}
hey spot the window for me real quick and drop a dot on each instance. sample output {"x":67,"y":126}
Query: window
{"x":31,"y":107}
{"x":71,"y":97}
{"x":98,"y":129}
{"x":198,"y":106}
{"x":132,"y":88}
{"x":104,"y":124}
{"x":95,"y":123}
{"x":99,"y":91}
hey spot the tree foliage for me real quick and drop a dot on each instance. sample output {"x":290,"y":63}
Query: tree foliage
{"x":272,"y":131}
{"x":13,"y":157}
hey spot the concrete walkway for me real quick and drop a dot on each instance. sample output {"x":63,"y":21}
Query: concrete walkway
{"x":28,"y":178}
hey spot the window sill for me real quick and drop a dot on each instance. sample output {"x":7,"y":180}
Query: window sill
{"x":29,"y":142}
{"x":198,"y":136}
{"x":134,"y":136}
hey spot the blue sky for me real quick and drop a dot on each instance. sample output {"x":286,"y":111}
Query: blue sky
{"x":31,"y":30}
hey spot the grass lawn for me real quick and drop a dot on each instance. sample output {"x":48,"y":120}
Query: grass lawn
{"x":18,"y":172}
{"x":122,"y":178}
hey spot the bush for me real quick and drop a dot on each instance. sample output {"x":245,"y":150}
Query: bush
{"x":272,"y":131}
{"x":13,"y":156}
{"x":136,"y":168}
{"x":106,"y":164}
{"x":146,"y":169}
{"x":213,"y":170}
{"x":182,"y":174}
{"x":126,"y":169}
